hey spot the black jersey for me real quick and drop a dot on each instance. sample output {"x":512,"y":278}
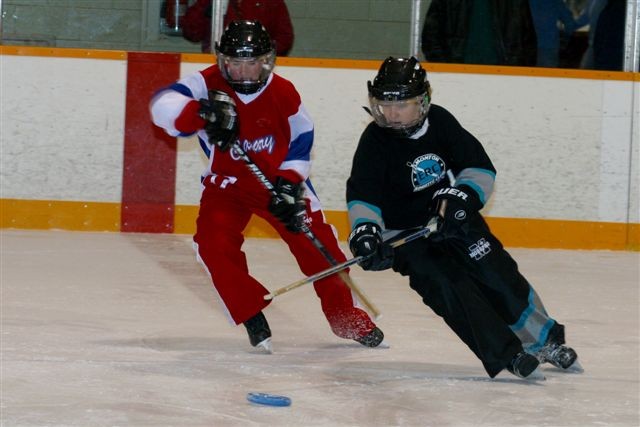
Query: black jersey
{"x":393,"y":178}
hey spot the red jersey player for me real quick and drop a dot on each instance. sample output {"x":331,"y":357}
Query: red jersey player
{"x":240,"y":100}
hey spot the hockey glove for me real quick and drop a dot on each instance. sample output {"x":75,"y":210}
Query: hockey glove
{"x":366,"y":240}
{"x":454,"y":205}
{"x":288,"y":205}
{"x":219,"y":112}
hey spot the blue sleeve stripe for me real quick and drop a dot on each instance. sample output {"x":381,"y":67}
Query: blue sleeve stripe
{"x":180,"y":88}
{"x":374,"y":208}
{"x":360,"y":212}
{"x":313,"y":190}
{"x":486,"y":171}
{"x":300,"y":148}
{"x":480,"y":180}
{"x":476,"y":188}
{"x":205,"y":148}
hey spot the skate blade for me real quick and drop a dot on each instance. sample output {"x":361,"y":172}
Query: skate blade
{"x":536,"y":375}
{"x":265,"y":346}
{"x":575,"y":368}
{"x":383,"y":344}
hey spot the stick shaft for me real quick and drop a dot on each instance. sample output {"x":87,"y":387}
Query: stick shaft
{"x":361,"y":296}
{"x":255,"y":170}
{"x":423,"y":232}
{"x":320,"y":275}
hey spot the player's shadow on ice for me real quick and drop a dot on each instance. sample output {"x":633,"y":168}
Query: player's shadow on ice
{"x":382,"y":371}
{"x":191,"y":344}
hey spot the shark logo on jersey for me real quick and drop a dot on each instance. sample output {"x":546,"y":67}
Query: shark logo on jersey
{"x":426,"y":170}
{"x":261,"y":144}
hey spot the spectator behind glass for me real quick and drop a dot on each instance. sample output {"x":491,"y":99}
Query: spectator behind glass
{"x":546,"y":14}
{"x":493,"y":32}
{"x":593,"y":12}
{"x":273,"y":14}
{"x":608,"y":40}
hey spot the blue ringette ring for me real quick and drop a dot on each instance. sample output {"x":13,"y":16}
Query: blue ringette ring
{"x":268,"y":399}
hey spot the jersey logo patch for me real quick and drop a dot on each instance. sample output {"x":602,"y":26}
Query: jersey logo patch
{"x":261,"y":144}
{"x":479,"y":249}
{"x":426,"y":170}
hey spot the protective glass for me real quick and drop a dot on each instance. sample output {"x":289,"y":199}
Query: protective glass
{"x":400,"y":114}
{"x":247,"y":72}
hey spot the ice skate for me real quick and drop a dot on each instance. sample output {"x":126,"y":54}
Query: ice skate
{"x":525,"y":366}
{"x":259,"y":333}
{"x":375,"y":338}
{"x":265,"y":346}
{"x":560,"y":356}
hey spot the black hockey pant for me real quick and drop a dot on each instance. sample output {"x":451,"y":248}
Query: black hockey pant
{"x":475,"y":286}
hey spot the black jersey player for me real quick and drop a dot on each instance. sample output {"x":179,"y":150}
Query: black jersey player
{"x":413,"y":162}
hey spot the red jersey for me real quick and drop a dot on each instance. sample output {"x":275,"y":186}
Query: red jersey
{"x":275,"y":129}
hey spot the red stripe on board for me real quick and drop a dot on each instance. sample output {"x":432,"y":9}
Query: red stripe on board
{"x":149,"y":170}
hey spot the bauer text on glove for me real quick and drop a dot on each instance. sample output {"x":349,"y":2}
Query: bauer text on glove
{"x":454,"y":205}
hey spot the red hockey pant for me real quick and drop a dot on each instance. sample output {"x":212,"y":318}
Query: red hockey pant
{"x":225,"y":209}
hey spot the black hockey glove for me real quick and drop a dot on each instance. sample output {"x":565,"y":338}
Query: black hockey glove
{"x":366,"y":240}
{"x":288,"y":205}
{"x":454,"y":205}
{"x":219,"y":111}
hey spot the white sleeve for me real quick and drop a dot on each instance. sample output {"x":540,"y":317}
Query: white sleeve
{"x":167,"y":104}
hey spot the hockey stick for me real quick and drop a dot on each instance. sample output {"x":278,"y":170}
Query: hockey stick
{"x":237,"y":150}
{"x":431,"y":227}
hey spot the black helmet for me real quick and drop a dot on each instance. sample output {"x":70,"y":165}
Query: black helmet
{"x":398,"y":78}
{"x":400,"y":81}
{"x":246,"y":41}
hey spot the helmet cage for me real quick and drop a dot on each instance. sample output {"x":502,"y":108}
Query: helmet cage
{"x":245,"y":41}
{"x":400,"y":86}
{"x":409,"y":114}
{"x":246,"y":85}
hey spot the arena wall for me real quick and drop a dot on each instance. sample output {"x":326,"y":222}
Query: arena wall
{"x":76,"y":139}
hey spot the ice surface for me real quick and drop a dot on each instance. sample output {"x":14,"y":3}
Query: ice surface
{"x":110,"y":329}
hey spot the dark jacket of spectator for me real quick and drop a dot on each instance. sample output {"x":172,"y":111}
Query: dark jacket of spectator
{"x":608,"y":41}
{"x":451,"y":30}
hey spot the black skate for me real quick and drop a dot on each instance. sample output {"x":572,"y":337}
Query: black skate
{"x":374,"y":338}
{"x":259,"y":333}
{"x":525,"y":365}
{"x":560,"y":356}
